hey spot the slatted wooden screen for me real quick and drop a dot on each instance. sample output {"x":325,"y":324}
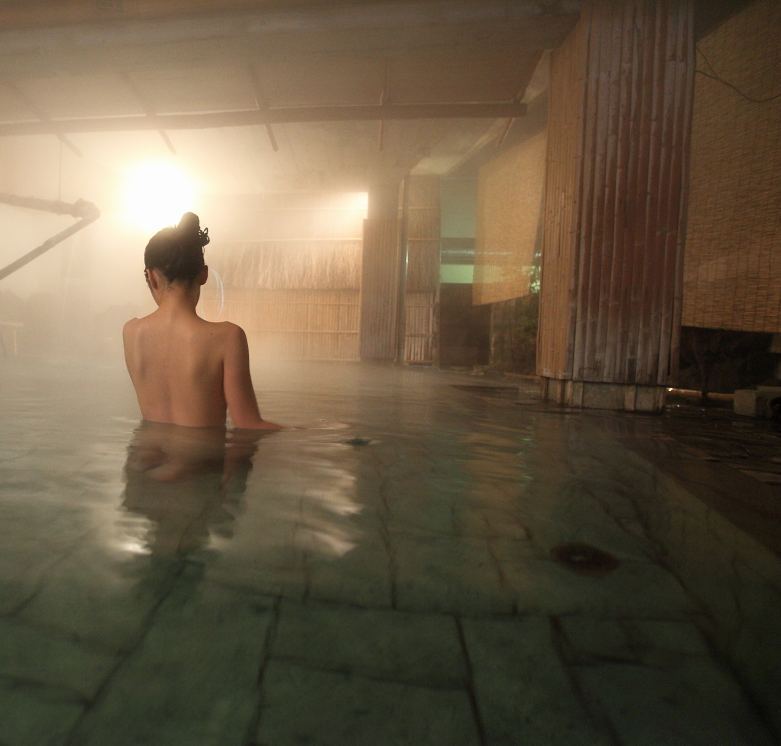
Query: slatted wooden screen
{"x":379,"y":289}
{"x":422,"y":281}
{"x":732,"y":274}
{"x":296,"y":300}
{"x":296,"y":324}
{"x":612,"y":254}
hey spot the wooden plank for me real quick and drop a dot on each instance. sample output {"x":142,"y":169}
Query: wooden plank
{"x":379,"y":289}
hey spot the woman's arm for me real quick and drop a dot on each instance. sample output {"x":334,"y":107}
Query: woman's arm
{"x":237,"y":382}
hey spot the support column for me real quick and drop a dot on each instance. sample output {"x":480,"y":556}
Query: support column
{"x":380,"y":274}
{"x":618,"y":147}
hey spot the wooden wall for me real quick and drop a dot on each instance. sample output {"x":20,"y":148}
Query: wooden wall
{"x":732,"y":266}
{"x":509,"y":205}
{"x":612,"y":254}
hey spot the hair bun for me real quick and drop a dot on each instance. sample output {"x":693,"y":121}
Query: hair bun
{"x":190,"y":227}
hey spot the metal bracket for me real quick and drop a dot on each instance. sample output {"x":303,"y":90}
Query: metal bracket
{"x":87,"y":213}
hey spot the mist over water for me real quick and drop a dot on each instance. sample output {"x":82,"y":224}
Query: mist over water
{"x":71,"y":302}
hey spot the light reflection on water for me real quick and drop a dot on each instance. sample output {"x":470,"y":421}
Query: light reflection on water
{"x":189,"y":483}
{"x":186,"y":487}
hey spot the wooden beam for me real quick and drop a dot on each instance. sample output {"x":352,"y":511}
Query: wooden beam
{"x":262,"y":104}
{"x":78,"y":209}
{"x":42,"y":116}
{"x":384,"y":98}
{"x":253,"y":117}
{"x":146,"y":106}
{"x":63,"y":13}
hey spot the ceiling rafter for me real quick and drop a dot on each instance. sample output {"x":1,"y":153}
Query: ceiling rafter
{"x":384,"y":99}
{"x":146,"y":107}
{"x":262,"y":104}
{"x":253,"y":117}
{"x":42,"y":116}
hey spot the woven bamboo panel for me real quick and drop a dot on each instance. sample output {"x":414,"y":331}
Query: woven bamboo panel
{"x":732,"y":265}
{"x":619,"y":249}
{"x":509,"y":206}
{"x":379,"y":289}
{"x":294,"y":265}
{"x":294,"y":324}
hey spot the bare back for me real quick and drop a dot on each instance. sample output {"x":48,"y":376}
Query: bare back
{"x":187,"y":371}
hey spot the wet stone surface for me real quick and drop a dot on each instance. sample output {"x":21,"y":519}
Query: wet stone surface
{"x":416,"y":561}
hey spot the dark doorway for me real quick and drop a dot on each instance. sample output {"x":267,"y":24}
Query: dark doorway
{"x":464,"y":329}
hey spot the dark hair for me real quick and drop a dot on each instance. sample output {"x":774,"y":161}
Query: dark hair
{"x":178,"y":252}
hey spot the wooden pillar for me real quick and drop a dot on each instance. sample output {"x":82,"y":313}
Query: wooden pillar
{"x":421,"y":293}
{"x":618,"y":147}
{"x":380,"y":274}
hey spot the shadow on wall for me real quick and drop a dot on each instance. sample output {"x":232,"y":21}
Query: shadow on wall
{"x":719,"y":360}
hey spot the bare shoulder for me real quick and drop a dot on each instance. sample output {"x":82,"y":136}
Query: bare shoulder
{"x":231,"y":332}
{"x":130,"y":327}
{"x":225,"y":334}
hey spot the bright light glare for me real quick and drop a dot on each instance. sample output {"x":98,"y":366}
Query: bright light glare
{"x":155,"y":195}
{"x":360,"y":201}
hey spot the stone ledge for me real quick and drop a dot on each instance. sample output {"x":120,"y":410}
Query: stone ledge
{"x":596,"y":395}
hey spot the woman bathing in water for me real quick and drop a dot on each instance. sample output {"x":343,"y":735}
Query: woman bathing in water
{"x":187,"y":371}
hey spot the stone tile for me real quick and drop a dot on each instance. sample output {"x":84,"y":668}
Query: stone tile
{"x":651,"y":642}
{"x":100,"y":594}
{"x":360,"y":576}
{"x":523,"y":691}
{"x":261,"y":557}
{"x":488,"y":522}
{"x":593,"y":638}
{"x":33,"y":655}
{"x":633,"y":589}
{"x":694,"y":703}
{"x":436,"y":573}
{"x":36,"y":716}
{"x":421,"y":511}
{"x":578,"y":511}
{"x":22,"y":570}
{"x":670,"y":637}
{"x":301,"y":705}
{"x":192,"y":679}
{"x":414,"y":648}
{"x":261,"y":576}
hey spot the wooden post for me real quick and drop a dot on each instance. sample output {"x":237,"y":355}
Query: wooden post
{"x":615,"y":206}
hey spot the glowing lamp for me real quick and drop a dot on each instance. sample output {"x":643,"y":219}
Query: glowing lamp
{"x":155,"y":195}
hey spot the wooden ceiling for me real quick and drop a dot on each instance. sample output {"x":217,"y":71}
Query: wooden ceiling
{"x":308,"y":65}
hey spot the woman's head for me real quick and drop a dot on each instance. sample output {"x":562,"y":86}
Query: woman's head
{"x":177,"y":252}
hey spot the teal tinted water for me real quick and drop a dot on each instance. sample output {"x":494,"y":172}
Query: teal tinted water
{"x":381,"y":572}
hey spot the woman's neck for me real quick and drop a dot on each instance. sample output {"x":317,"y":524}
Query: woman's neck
{"x":177,"y":299}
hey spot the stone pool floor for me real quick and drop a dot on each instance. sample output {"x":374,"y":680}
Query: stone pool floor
{"x":383,"y":572}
